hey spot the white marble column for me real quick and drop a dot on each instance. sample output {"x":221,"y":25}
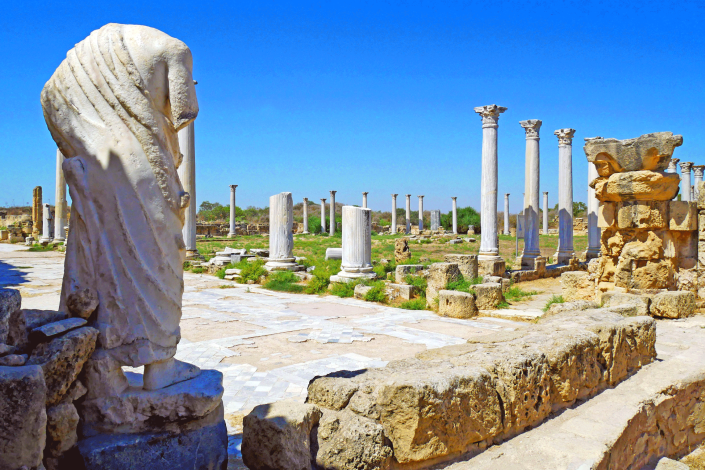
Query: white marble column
{"x":565,"y":250}
{"x":408,"y":213}
{"x":332,"y":213}
{"x":394,"y":213}
{"x":455,"y":214}
{"x":187,"y":175}
{"x":281,"y":235}
{"x":60,"y":207}
{"x":506,"y":215}
{"x":594,"y":232}
{"x":685,"y":180}
{"x":323,"y":215}
{"x":698,"y":175}
{"x":364,"y":200}
{"x":544,"y":226}
{"x":232,"y":211}
{"x":357,"y":245}
{"x":306,"y":232}
{"x":673,"y":165}
{"x":531,"y":198}
{"x":489,"y":242}
{"x":46,"y":227}
{"x":420,"y":213}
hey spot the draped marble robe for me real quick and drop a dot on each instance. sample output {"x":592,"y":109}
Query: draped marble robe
{"x":114,"y":107}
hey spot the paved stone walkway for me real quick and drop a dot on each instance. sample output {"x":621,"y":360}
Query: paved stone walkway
{"x":268,"y":345}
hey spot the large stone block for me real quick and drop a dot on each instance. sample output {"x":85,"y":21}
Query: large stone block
{"x":491,"y":267}
{"x":606,"y":214}
{"x":23,"y":417}
{"x":642,"y":214}
{"x":466,"y":263}
{"x":641,"y":303}
{"x":643,"y":246}
{"x":675,"y":304}
{"x":404,"y":270}
{"x":399,"y":291}
{"x":439,"y":275}
{"x":646,"y":152}
{"x":278,"y":436}
{"x":577,"y":286}
{"x":683,"y":215}
{"x":637,"y":186}
{"x":489,"y":295}
{"x":10,"y":302}
{"x":22,"y":322}
{"x":456,"y":304}
{"x":62,"y":360}
{"x":62,"y":422}
{"x":701,"y":195}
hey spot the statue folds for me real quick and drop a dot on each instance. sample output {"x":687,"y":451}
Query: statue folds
{"x":114,"y":107}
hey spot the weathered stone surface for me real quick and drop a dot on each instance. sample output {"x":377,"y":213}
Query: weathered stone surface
{"x":642,"y":214}
{"x":644,"y":246}
{"x":646,"y":152}
{"x":467,"y":264}
{"x":23,"y":416}
{"x":103,"y":376}
{"x":456,"y":304}
{"x":13,"y":360}
{"x":82,"y":303}
{"x":278,"y":436}
{"x":361,"y":290}
{"x":637,"y":186}
{"x":493,"y":267}
{"x":682,"y":215}
{"x":401,"y":250}
{"x":489,"y":295}
{"x":62,"y":421}
{"x":203,"y":448}
{"x":577,"y":286}
{"x":606,"y":214}
{"x":333,"y":391}
{"x":613,"y":299}
{"x":62,"y":360}
{"x":10,"y":302}
{"x":22,"y":322}
{"x":668,"y":464}
{"x":399,"y":291}
{"x":51,"y":330}
{"x":650,"y":275}
{"x":439,"y":275}
{"x":572,"y":306}
{"x":676,"y":304}
{"x":404,"y":270}
{"x":137,"y":410}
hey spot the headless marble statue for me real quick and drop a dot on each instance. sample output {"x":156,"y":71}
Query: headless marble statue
{"x":114,"y":107}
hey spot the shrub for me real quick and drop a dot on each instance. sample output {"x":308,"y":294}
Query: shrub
{"x":419,"y":282}
{"x":466,"y":216}
{"x":197,"y":270}
{"x":464,"y":285}
{"x":317,"y":285}
{"x":283,"y":281}
{"x":377,"y":293}
{"x":252,"y":272}
{"x":343,"y":289}
{"x":220,"y":274}
{"x":555,"y":299}
{"x":414,"y":304}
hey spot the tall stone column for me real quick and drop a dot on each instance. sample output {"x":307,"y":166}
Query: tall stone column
{"x":531,"y":198}
{"x":306,"y":216}
{"x":489,"y":243}
{"x":544,"y":226}
{"x":408,"y":214}
{"x":394,"y":213}
{"x":565,"y":196}
{"x":187,"y":175}
{"x":455,"y":215}
{"x":420,"y":213}
{"x":232,"y":233}
{"x":594,"y":232}
{"x":673,"y":165}
{"x":60,"y":207}
{"x":323,"y":215}
{"x":37,"y":211}
{"x":46,"y":224}
{"x":698,"y":175}
{"x":332,"y":212}
{"x":685,"y":180}
{"x":357,"y":245}
{"x":281,"y":235}
{"x":364,"y":200}
{"x":506,"y":215}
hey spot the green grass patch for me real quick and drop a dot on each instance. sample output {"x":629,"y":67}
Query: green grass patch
{"x":516,"y":294}
{"x":555,"y":299}
{"x":197,"y":270}
{"x":414,"y":304}
{"x":420,"y":284}
{"x":343,"y":289}
{"x":283,"y":281}
{"x":226,"y":286}
{"x":464,"y":285}
{"x":252,"y":271}
{"x":377,"y":293}
{"x":37,"y":247}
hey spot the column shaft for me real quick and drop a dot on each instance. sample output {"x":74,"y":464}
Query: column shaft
{"x":408,"y":213}
{"x":232,"y":233}
{"x":306,"y":215}
{"x":332,"y":213}
{"x":187,"y":175}
{"x":531,"y":198}
{"x":323,"y":216}
{"x":506,"y":215}
{"x":364,"y":200}
{"x":60,"y":207}
{"x":455,"y":215}
{"x":281,"y":236}
{"x":46,"y":226}
{"x":420,"y":213}
{"x":357,"y":244}
{"x":594,"y":232}
{"x":565,"y":196}
{"x":685,"y":180}
{"x":544,"y":226}
{"x":394,"y":214}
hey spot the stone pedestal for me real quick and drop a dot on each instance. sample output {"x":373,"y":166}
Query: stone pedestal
{"x":565,"y":196}
{"x":306,"y":216}
{"x":506,"y":215}
{"x":435,"y":220}
{"x":455,"y":215}
{"x":420,"y":213}
{"x":60,"y":207}
{"x":685,"y":180}
{"x":323,"y":215}
{"x":332,"y":212}
{"x":408,"y":213}
{"x":594,"y":232}
{"x":232,"y":233}
{"x":364,"y":200}
{"x":46,"y":226}
{"x":357,"y":245}
{"x":281,"y":237}
{"x":489,"y":245}
{"x":394,"y":213}
{"x":531,"y":196}
{"x":187,"y":175}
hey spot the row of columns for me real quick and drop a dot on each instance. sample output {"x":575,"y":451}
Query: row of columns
{"x":689,"y":191}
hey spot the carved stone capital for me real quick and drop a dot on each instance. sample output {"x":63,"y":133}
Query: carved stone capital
{"x":332,"y":193}
{"x":233,"y":187}
{"x":365,"y":193}
{"x":323,"y":200}
{"x":686,"y":166}
{"x":672,"y":165}
{"x":565,"y":136}
{"x":531,"y":126}
{"x":305,"y":200}
{"x":490,"y":114}
{"x":698,"y":170}
{"x":394,"y":196}
{"x":421,"y":197}
{"x":454,"y":197}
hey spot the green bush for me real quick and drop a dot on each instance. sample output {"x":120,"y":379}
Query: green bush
{"x":464,"y":285}
{"x":466,"y":216}
{"x":419,"y":282}
{"x":197,"y":270}
{"x":555,"y":299}
{"x":343,"y":289}
{"x":414,"y":304}
{"x":220,"y":274}
{"x":252,"y":272}
{"x":377,"y":293}
{"x":283,"y":281}
{"x":317,"y":285}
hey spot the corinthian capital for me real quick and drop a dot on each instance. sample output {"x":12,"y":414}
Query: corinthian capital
{"x":686,"y":166}
{"x":565,"y":136}
{"x":531,"y":126}
{"x":698,"y":170}
{"x":490,"y":114}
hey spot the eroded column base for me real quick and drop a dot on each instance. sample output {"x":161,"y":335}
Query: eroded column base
{"x":345,"y":276}
{"x":490,"y":265}
{"x":563,"y":257}
{"x":288,"y":264}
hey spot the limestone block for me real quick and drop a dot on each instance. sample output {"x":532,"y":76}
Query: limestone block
{"x":82,"y":303}
{"x":637,"y":186}
{"x":668,"y":464}
{"x":399,"y":291}
{"x":10,"y":302}
{"x":22,"y":322}
{"x":401,"y":250}
{"x":574,"y":306}
{"x":577,"y":286}
{"x":701,"y":226}
{"x":701,"y":195}
{"x":277,"y":436}
{"x":489,"y":295}
{"x":23,"y":416}
{"x":51,"y":330}
{"x":334,"y":253}
{"x":332,"y":391}
{"x":404,"y":270}
{"x":613,"y":299}
{"x":202,"y":448}
{"x":456,"y":304}
{"x":493,"y":267}
{"x":642,"y":214}
{"x":674,"y":304}
{"x":644,"y":246}
{"x":646,"y":152}
{"x":652,"y":275}
{"x":13,"y":360}
{"x":606,"y":213}
{"x":347,"y":441}
{"x":466,"y":263}
{"x":137,"y":410}
{"x":439,"y":275}
{"x":62,"y":360}
{"x":361,"y":290}
{"x":683,"y":215}
{"x":62,"y":422}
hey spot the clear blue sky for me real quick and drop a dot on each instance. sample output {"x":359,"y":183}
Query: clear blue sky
{"x":378,"y":96}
